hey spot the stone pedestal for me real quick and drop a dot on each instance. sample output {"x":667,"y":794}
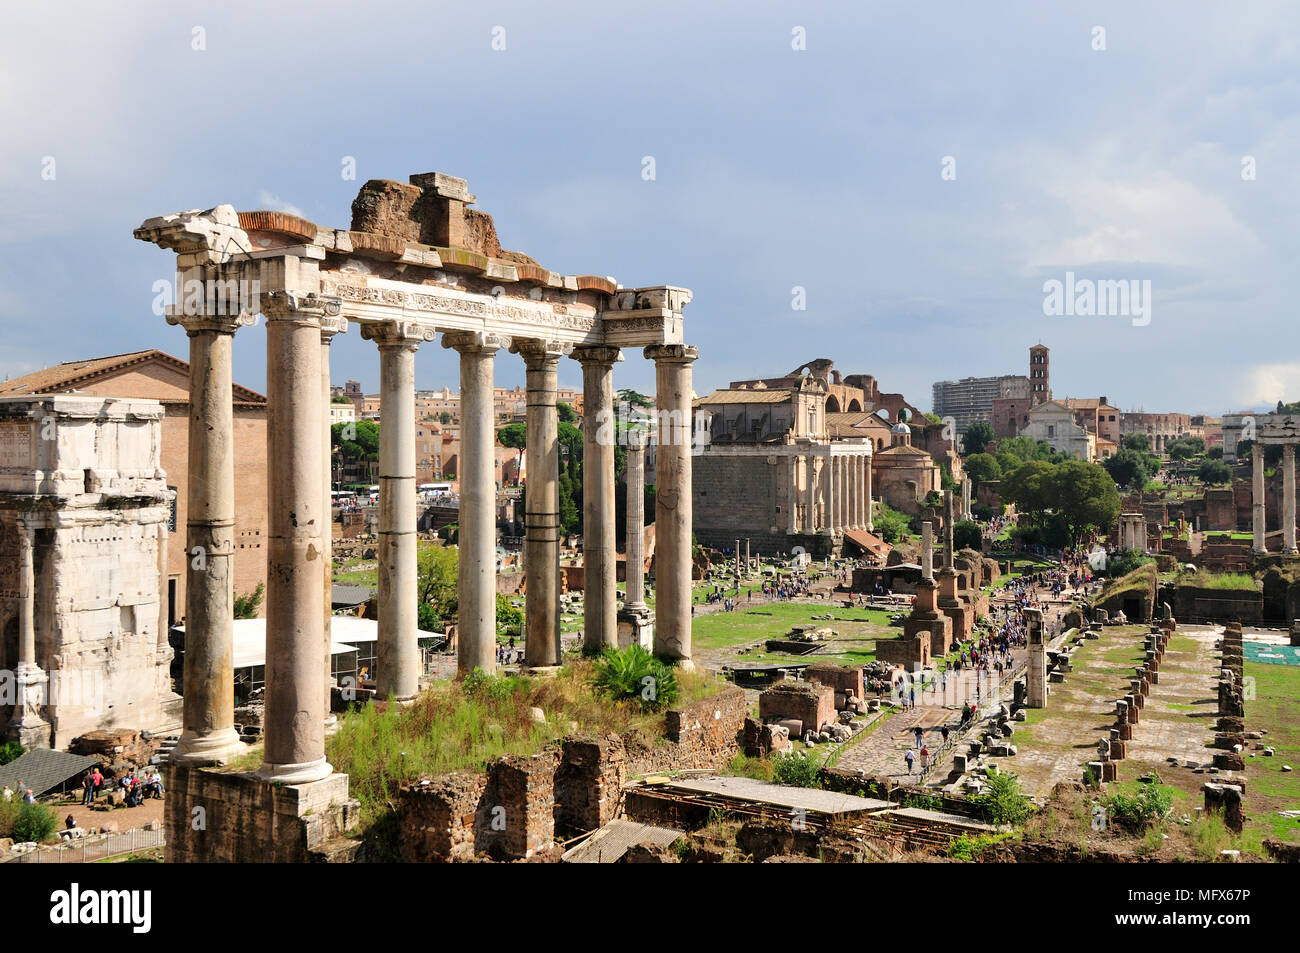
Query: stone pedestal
{"x":1036,"y":675}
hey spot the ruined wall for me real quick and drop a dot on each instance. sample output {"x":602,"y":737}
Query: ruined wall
{"x":1219,"y":605}
{"x":737,"y":496}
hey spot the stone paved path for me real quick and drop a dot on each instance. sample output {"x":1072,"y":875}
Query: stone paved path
{"x":1180,"y":713}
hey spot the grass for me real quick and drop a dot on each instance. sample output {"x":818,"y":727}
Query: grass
{"x":1239,"y":581}
{"x":449,"y":728}
{"x":1269,"y":788}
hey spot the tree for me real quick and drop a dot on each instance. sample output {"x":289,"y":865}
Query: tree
{"x":967,"y":535}
{"x":514,"y":436}
{"x":359,"y":440}
{"x":978,"y":436}
{"x":890,"y":525}
{"x":436,"y":582}
{"x":1130,"y":468}
{"x":1029,"y":486}
{"x":509,"y":619}
{"x":1214,"y":471}
{"x":566,"y":413}
{"x":445,"y":417}
{"x":982,"y":467}
{"x":246,"y":606}
{"x":1215,"y":453}
{"x":628,"y":396}
{"x":1085,"y":497}
{"x":1025,"y":448}
{"x":1184,"y":448}
{"x":1136,"y":441}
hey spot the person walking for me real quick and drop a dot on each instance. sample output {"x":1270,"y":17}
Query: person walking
{"x":909,"y":757}
{"x":87,"y":789}
{"x":920,"y":735}
{"x":925,"y":760}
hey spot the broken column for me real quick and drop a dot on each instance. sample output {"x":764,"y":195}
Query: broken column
{"x":1036,"y":675}
{"x":635,"y":621}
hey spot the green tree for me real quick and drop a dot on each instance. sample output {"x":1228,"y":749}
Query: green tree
{"x":445,"y":417}
{"x":509,"y":619}
{"x":978,"y":436}
{"x":35,"y":822}
{"x":967,"y":535}
{"x":1184,"y":448}
{"x":891,"y":525}
{"x":514,"y":436}
{"x":436,"y":581}
{"x":359,"y":440}
{"x":629,"y":396}
{"x":1130,"y":468}
{"x":1214,"y":472}
{"x":1029,"y":486}
{"x":566,"y":413}
{"x":1084,"y":496}
{"x":1136,"y":441}
{"x":982,"y":467}
{"x":246,"y":606}
{"x":1215,"y":452}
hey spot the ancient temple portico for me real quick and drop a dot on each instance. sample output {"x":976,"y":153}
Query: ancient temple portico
{"x":415,"y":265}
{"x":1275,"y":430}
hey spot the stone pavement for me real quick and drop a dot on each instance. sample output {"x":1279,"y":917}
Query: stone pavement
{"x":1180,"y":713}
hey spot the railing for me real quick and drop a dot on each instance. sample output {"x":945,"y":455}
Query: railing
{"x":95,"y":848}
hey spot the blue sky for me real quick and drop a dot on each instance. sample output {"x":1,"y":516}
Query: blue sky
{"x":775,"y":168}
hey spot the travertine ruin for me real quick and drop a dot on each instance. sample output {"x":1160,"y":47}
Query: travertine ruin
{"x":415,"y":263}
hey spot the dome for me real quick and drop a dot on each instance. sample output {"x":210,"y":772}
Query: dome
{"x":901,"y":428}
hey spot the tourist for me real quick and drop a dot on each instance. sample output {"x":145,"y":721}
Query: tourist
{"x":69,"y":822}
{"x":908,"y":757}
{"x":925,"y":760}
{"x":88,"y":788}
{"x":97,"y":782}
{"x":944,"y":732}
{"x":920,"y":735}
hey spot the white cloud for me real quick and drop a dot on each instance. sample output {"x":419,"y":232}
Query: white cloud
{"x":1269,"y":383}
{"x":276,"y":204}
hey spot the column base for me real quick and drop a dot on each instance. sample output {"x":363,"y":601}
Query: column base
{"x":540,"y":671}
{"x":684,"y":665}
{"x":197,"y":750}
{"x":302,"y":773}
{"x":636,"y":626}
{"x":33,"y":734}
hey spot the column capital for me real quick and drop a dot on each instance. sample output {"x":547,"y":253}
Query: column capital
{"x":220,"y":323}
{"x":596,"y":354}
{"x":471,"y":342}
{"x":299,"y":306}
{"x":330,"y":326}
{"x":399,"y":334}
{"x":671,"y":353}
{"x":538,"y":354}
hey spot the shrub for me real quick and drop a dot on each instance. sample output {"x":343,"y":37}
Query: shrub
{"x":796,"y":770}
{"x":1002,"y":802}
{"x":1138,"y":811}
{"x":35,"y":822}
{"x":10,"y":751}
{"x":246,"y":605}
{"x":633,"y":673}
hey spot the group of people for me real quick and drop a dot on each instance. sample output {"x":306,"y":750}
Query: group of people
{"x":136,"y":785}
{"x":508,"y":654}
{"x":24,"y":793}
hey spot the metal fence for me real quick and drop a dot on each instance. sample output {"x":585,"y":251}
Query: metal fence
{"x":90,"y":849}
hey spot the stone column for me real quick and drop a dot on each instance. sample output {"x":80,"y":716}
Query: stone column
{"x":634,"y":471}
{"x":208,"y":723}
{"x":397,"y":667}
{"x":599,"y":542}
{"x":810,"y":493}
{"x":476,"y":576}
{"x":1036,"y":673}
{"x":542,"y":506}
{"x":673,"y":500}
{"x":294,"y":721}
{"x":855,"y":479}
{"x":1288,"y":499}
{"x":26,"y":726}
{"x":927,"y":551}
{"x":947,"y":531}
{"x":871,"y":525}
{"x":330,"y":325}
{"x":1257,"y":484}
{"x":828,"y":472}
{"x":792,"y":518}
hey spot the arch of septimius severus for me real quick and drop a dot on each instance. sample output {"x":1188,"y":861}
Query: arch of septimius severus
{"x":417,"y":264}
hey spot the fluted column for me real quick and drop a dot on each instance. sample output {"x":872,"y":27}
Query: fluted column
{"x":542,"y":509}
{"x":828,"y":473}
{"x":330,"y":325}
{"x":792,"y":517}
{"x":476,"y":575}
{"x":1257,"y":487}
{"x":810,"y":492}
{"x":26,"y":725}
{"x":599,"y":540}
{"x":673,"y":502}
{"x":871,"y":525}
{"x":397,"y":669}
{"x":208,"y":721}
{"x":294,"y":720}
{"x":1288,"y":498}
{"x":855,"y":493}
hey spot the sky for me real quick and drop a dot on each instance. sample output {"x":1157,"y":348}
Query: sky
{"x":892,"y":186}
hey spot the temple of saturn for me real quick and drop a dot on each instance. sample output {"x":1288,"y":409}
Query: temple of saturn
{"x":1274,"y":430}
{"x":416,"y":264}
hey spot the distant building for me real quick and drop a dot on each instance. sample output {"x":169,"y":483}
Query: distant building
{"x":1160,"y":429}
{"x":1010,"y":413}
{"x":1053,"y":422}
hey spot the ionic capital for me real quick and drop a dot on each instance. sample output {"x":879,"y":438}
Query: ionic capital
{"x":475,"y":342}
{"x":540,"y":355}
{"x":595,"y":354}
{"x":671,"y":353}
{"x":220,"y":323}
{"x":330,"y":326}
{"x":299,"y":306}
{"x":397,"y":334}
